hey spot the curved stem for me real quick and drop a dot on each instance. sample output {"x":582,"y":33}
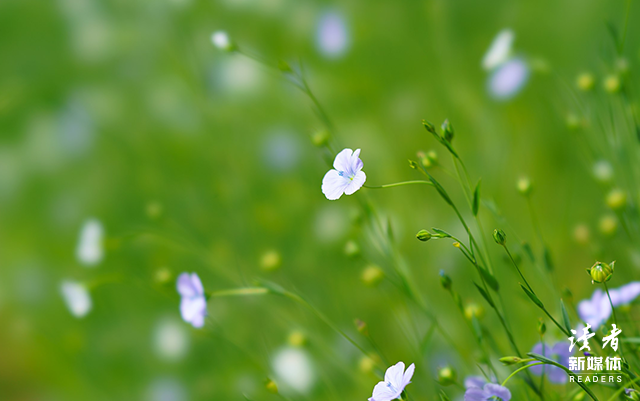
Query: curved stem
{"x":520,"y":370}
{"x":397,"y":184}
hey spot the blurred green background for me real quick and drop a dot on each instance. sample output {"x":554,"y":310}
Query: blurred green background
{"x":198,"y":160}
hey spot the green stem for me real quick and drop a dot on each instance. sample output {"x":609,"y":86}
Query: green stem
{"x":520,"y":370}
{"x":397,"y":184}
{"x":517,"y":268}
{"x":240,"y":292}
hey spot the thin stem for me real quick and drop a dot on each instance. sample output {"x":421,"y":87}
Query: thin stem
{"x":240,"y":292}
{"x":397,"y":184}
{"x":520,"y":370}
{"x":517,"y":268}
{"x":615,"y":318}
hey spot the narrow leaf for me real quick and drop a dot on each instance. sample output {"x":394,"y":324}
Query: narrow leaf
{"x":565,"y":317}
{"x":485,"y":295}
{"x":440,"y":189}
{"x":529,"y":251}
{"x":441,"y":232}
{"x":489,"y":278}
{"x":476,"y":199}
{"x":533,"y":297}
{"x":548,"y":262}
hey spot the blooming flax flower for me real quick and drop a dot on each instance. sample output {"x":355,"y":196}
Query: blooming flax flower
{"x":332,"y":36}
{"x":508,"y":79}
{"x":395,"y":380}
{"x":597,"y":310}
{"x":193,"y":306}
{"x":346,"y":177}
{"x":90,"y":250}
{"x":559,"y":353}
{"x":479,"y":390}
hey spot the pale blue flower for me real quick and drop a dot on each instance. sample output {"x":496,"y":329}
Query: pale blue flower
{"x":488,"y":392}
{"x":333,"y":35}
{"x":395,"y":380}
{"x":193,"y":306}
{"x":346,"y":177}
{"x":508,"y":79}
{"x":559,"y":353}
{"x":597,"y":310}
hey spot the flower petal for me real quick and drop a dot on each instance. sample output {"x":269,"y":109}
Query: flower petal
{"x":356,"y":183}
{"x":474,"y":394}
{"x":496,"y":390}
{"x":627,"y":293}
{"x":192,"y":308}
{"x":334,"y":185}
{"x":508,"y":79}
{"x":474,"y":381}
{"x":394,"y":374}
{"x":185,"y":285}
{"x":382,"y":392}
{"x":342,"y":161}
{"x":197,"y":284}
{"x":355,"y":164}
{"x":406,"y":378}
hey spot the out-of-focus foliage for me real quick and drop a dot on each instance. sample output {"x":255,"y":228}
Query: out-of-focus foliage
{"x":197,"y":160}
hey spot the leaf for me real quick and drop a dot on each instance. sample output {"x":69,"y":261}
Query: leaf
{"x":441,"y":232}
{"x":476,"y":199}
{"x":570,"y":373}
{"x":529,"y":251}
{"x":444,"y":396}
{"x":565,"y":317}
{"x":440,"y":189}
{"x":486,"y":295}
{"x":533,"y":297}
{"x":489,"y":278}
{"x":548,"y":262}
{"x":477,"y":329}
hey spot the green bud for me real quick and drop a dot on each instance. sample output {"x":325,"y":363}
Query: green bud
{"x":320,"y":138}
{"x":585,"y":81}
{"x":271,"y":386}
{"x":362,"y":327}
{"x":413,"y":164}
{"x":423,"y":235}
{"x":524,"y":186}
{"x":473,"y":309}
{"x":510,"y":360}
{"x":447,"y":131}
{"x":632,"y":394}
{"x":447,"y":376}
{"x":542,"y":328}
{"x":608,"y":225}
{"x":351,"y":249}
{"x":499,"y":236}
{"x":163,"y":276}
{"x":297,"y":338}
{"x":429,"y":127}
{"x":580,"y":396}
{"x":445,"y":280}
{"x":372,"y":275}
{"x":270,"y":260}
{"x":601,"y":272}
{"x":581,"y":234}
{"x":616,"y":199}
{"x":367,"y":363}
{"x":612,"y":84}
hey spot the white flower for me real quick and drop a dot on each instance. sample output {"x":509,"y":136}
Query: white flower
{"x":90,"y":249}
{"x":293,"y":368}
{"x":171,"y":340}
{"x":508,"y":79}
{"x":220,"y":39}
{"x":395,"y":380}
{"x":77,"y":298}
{"x":193,"y":306}
{"x":499,"y":51}
{"x":332,"y":36}
{"x":346,"y":177}
{"x":603,"y":171}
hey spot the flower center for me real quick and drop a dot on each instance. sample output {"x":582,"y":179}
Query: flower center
{"x":350,"y":177}
{"x":391,"y":387}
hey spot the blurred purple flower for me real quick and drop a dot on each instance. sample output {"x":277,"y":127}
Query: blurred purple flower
{"x":487,"y":392}
{"x":395,"y":380}
{"x":597,"y":310}
{"x":559,"y":353}
{"x":332,"y":36}
{"x":346,"y":177}
{"x":193,"y":306}
{"x":508,"y":79}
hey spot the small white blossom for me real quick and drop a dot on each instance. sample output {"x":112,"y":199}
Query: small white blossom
{"x":499,"y":51}
{"x":294,"y":369}
{"x":395,"y":380}
{"x":90,"y":249}
{"x":193,"y":306}
{"x":346,"y":177}
{"x":171,"y":340}
{"x":221,"y":40}
{"x":77,"y":298}
{"x":603,"y":171}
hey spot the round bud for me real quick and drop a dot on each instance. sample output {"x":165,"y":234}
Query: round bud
{"x":499,"y":236}
{"x":601,"y":272}
{"x":428,"y":126}
{"x":297,"y":338}
{"x":445,"y":280}
{"x":585,"y":81}
{"x":320,"y":138}
{"x":612,"y":84}
{"x":423,"y":235}
{"x":581,"y":234}
{"x":447,"y":376}
{"x":473,"y":309}
{"x":524,"y":186}
{"x":351,"y":249}
{"x":616,"y":199}
{"x":510,"y":360}
{"x":271,"y":386}
{"x":608,"y":225}
{"x":270,"y":260}
{"x":372,"y":275}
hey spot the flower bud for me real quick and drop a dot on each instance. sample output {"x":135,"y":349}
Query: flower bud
{"x":271,"y":386}
{"x":524,"y":186}
{"x":608,"y":225}
{"x":542,"y":328}
{"x":447,"y":376}
{"x":372,"y":275}
{"x":351,"y":249}
{"x":632,"y":394}
{"x":362,"y":327}
{"x":445,"y":280}
{"x":423,"y":235}
{"x":601,"y":272}
{"x":499,"y":236}
{"x":367,"y":364}
{"x":447,"y":131}
{"x":510,"y":360}
{"x":616,"y":199}
{"x":270,"y":260}
{"x":612,"y":84}
{"x":413,"y":164}
{"x":429,"y":127}
{"x":473,"y":309}
{"x":585,"y":81}
{"x":580,"y":396}
{"x":320,"y":138}
{"x":163,"y":276}
{"x":221,"y":40}
{"x":581,"y":234}
{"x":297,"y":338}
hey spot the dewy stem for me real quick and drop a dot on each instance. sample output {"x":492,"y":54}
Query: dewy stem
{"x":397,"y":184}
{"x":520,"y":370}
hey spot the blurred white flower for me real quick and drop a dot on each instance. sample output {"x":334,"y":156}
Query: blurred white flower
{"x":281,"y":151}
{"x":346,"y":177}
{"x":395,"y":380}
{"x":332,"y":36}
{"x":220,"y":39}
{"x":170,"y":340}
{"x":166,"y":389}
{"x":90,"y":249}
{"x":193,"y":305}
{"x":499,"y":51}
{"x":239,"y":75}
{"x":77,"y":298}
{"x":294,"y":369}
{"x":603,"y":171}
{"x":508,"y":79}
